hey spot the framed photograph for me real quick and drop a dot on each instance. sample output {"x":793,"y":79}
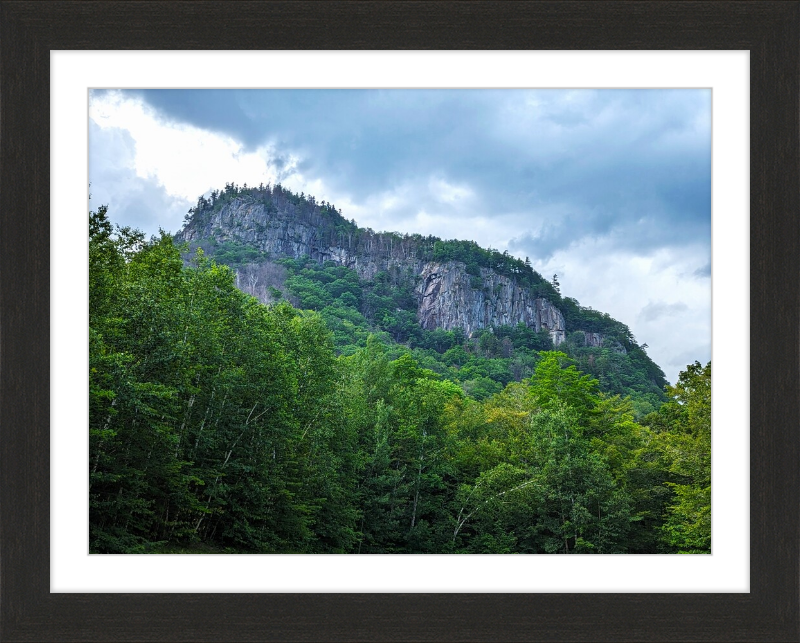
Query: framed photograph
{"x":743,"y":57}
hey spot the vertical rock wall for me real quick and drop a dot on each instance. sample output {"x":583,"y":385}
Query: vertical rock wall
{"x":447,"y":299}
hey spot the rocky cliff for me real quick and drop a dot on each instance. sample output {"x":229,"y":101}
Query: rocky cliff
{"x":450,"y":294}
{"x":286,"y":233}
{"x":598,"y":340}
{"x":448,"y":300}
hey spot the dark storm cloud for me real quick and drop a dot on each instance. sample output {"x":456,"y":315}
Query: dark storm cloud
{"x":629,"y":165}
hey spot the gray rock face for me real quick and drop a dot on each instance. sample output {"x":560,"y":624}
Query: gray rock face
{"x":448,"y":300}
{"x":598,"y":340}
{"x":448,"y":297}
{"x":250,"y":223}
{"x":593,"y":339}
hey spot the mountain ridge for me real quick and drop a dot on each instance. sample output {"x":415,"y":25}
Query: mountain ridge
{"x":450,"y":293}
{"x":476,"y":316}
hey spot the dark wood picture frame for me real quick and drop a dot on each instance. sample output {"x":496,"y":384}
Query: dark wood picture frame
{"x":769,"y":30}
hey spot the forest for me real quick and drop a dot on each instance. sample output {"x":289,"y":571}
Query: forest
{"x":219,"y":424}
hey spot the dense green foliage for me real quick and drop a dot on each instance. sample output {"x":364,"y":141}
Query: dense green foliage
{"x":482,"y":364}
{"x":221,"y":424}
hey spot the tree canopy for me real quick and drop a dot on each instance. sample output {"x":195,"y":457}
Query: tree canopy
{"x":222,"y":424}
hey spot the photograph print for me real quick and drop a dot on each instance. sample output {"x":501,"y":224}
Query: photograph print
{"x":397,"y":321}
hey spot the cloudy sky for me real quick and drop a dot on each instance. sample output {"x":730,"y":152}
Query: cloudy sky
{"x":609,"y":189}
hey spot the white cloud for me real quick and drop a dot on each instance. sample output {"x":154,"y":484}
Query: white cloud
{"x":446,"y":192}
{"x":132,"y":200}
{"x":623,"y":284}
{"x":185,"y":160}
{"x":657,"y":309}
